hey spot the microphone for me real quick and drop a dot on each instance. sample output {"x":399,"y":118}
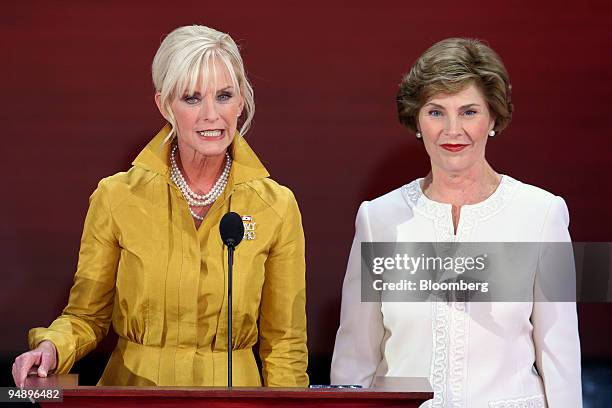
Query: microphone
{"x":231,"y":229}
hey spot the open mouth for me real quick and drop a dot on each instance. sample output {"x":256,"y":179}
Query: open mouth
{"x":210,"y":133}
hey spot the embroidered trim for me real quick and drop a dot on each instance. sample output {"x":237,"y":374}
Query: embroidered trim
{"x":440,"y":213}
{"x":458,"y":354}
{"x":449,"y":354}
{"x":439,"y":359}
{"x":535,"y":401}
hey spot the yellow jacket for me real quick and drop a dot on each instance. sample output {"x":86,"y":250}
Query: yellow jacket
{"x":143,"y":265}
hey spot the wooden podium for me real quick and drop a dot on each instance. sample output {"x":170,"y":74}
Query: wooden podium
{"x":392,"y":392}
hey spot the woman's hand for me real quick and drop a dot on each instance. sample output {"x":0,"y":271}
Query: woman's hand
{"x":39,"y":361}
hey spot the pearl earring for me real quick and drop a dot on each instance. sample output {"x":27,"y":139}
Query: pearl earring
{"x":419,"y":135}
{"x":491,"y":133}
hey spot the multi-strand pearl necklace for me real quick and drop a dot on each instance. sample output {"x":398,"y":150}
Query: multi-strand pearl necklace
{"x":194,"y":199}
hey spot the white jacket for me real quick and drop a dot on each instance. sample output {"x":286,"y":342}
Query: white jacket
{"x":475,"y":354}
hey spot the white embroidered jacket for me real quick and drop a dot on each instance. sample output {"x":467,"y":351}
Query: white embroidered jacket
{"x":490,"y":355}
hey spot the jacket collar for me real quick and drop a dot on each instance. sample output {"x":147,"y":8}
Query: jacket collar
{"x":246,"y":166}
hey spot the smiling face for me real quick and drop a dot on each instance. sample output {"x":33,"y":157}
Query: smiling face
{"x":455,"y":128}
{"x":206,"y":119}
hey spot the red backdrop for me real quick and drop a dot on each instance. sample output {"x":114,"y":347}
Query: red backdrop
{"x":77,"y":105}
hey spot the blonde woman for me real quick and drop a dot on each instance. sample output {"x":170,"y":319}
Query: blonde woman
{"x":456,"y":98}
{"x":151,"y":258}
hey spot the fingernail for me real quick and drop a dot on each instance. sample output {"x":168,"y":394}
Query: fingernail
{"x":43,"y":373}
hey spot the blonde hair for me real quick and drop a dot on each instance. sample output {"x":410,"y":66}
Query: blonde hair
{"x":448,"y":67}
{"x":187,"y":56}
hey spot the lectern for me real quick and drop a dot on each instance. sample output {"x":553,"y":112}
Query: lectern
{"x":404,"y":393}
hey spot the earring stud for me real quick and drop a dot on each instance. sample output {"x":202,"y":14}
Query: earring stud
{"x":419,"y":135}
{"x":491,"y":133}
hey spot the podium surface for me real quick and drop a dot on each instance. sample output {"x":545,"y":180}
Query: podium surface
{"x":413,"y":392}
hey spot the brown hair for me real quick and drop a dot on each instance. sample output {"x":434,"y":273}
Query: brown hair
{"x":448,"y":67}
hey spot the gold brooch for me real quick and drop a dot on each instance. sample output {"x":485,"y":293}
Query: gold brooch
{"x":249,"y":227}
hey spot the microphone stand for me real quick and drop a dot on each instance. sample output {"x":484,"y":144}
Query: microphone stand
{"x":230,"y":284}
{"x":231,"y":229}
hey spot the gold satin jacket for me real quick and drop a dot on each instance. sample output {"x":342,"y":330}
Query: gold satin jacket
{"x":163,"y":283}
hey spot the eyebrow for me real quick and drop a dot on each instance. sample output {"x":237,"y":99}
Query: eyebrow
{"x":198,"y":94}
{"x":435,"y":105}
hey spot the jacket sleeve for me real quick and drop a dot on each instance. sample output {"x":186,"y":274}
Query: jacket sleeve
{"x":555,"y":324}
{"x":86,"y":318}
{"x":357,"y":352}
{"x":282,"y":316}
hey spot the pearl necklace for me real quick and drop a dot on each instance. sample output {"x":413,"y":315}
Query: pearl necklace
{"x":194,"y":199}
